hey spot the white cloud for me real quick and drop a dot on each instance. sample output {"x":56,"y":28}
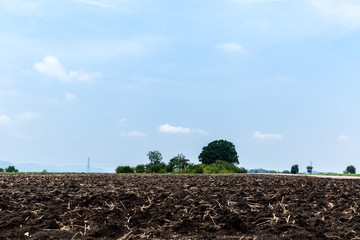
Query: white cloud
{"x":9,"y":94}
{"x":230,"y":47}
{"x":29,"y":116}
{"x":257,"y":1}
{"x":21,"y":8}
{"x":134,"y":133}
{"x":4,"y":120}
{"x":97,"y":3}
{"x":343,"y":138}
{"x":51,"y":67}
{"x":270,"y":136}
{"x":166,"y":128}
{"x":347,"y":11}
{"x":123,"y":120}
{"x":69,"y":97}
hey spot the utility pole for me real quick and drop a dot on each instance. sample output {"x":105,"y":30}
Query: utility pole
{"x":88,"y":166}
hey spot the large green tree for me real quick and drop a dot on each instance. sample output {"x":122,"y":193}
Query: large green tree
{"x":219,"y":150}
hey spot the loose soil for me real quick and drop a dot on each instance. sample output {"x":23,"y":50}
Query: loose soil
{"x":129,"y":206}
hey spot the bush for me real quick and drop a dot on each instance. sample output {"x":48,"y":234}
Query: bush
{"x":124,"y":169}
{"x":155,"y":168}
{"x":140,"y":168}
{"x":211,"y":169}
{"x":351,"y":169}
{"x":163,"y":170}
{"x":295,"y":169}
{"x":286,"y":171}
{"x":11,"y":169}
{"x":242,"y":170}
{"x":198,"y":169}
{"x":1,"y":170}
{"x":44,"y":171}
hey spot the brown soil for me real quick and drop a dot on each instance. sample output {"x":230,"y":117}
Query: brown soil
{"x":114,"y":206}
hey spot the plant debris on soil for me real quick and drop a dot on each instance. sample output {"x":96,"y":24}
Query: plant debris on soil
{"x":145,"y":206}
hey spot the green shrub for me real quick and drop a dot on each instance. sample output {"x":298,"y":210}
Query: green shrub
{"x":242,"y":170}
{"x":294,"y":169}
{"x":11,"y":169}
{"x":140,"y":168}
{"x":351,"y":169}
{"x":163,"y":170}
{"x":124,"y":169}
{"x":198,"y":169}
{"x":1,"y":170}
{"x":155,"y":168}
{"x":212,"y":168}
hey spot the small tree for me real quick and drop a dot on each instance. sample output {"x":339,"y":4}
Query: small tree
{"x":294,"y":169}
{"x":11,"y":169}
{"x":178,"y":162}
{"x":155,"y":157}
{"x":309,"y":169}
{"x":351,"y":169}
{"x":219,"y":150}
{"x":124,"y":169}
{"x":1,"y":170}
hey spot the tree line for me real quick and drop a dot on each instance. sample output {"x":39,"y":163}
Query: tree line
{"x":219,"y":156}
{"x":9,"y":169}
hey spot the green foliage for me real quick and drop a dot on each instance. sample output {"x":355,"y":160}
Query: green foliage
{"x":11,"y":169}
{"x":211,"y":168}
{"x":1,"y":170}
{"x":192,"y":169}
{"x":140,"y":168}
{"x":217,"y":167}
{"x":272,"y":171}
{"x":163,"y":170}
{"x":309,"y":169}
{"x":178,"y":162}
{"x":294,"y":169}
{"x":155,"y":168}
{"x":351,"y":169}
{"x":219,"y":150}
{"x":124,"y":169}
{"x":155,"y":157}
{"x":242,"y":170}
{"x":286,"y":171}
{"x":197,"y":169}
{"x":44,"y":171}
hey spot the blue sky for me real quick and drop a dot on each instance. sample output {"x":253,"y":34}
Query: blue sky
{"x":113,"y":80}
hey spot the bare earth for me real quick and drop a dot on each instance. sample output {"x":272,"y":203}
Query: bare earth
{"x":237,"y":206}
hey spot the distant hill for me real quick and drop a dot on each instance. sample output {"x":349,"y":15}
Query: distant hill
{"x":50,"y":168}
{"x":259,"y":170}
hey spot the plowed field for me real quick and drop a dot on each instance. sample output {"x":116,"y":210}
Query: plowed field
{"x":114,"y":206}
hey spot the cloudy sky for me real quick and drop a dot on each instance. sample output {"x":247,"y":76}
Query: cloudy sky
{"x":112,"y":80}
